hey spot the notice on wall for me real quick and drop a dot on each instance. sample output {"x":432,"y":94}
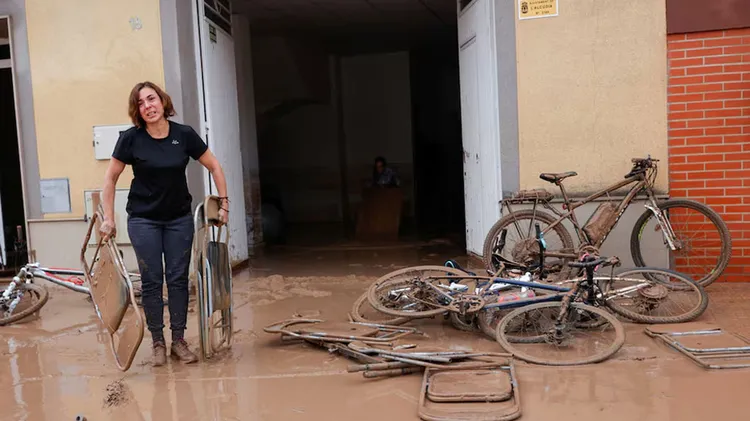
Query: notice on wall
{"x":55,"y":195}
{"x":530,"y":9}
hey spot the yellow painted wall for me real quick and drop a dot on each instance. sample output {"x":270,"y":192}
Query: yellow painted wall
{"x":85,"y":58}
{"x":592,"y":90}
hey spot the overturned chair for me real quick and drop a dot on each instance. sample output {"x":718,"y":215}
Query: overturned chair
{"x":111,"y":291}
{"x":212,"y":275}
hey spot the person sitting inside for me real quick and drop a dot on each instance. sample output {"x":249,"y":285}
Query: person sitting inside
{"x":383,"y":175}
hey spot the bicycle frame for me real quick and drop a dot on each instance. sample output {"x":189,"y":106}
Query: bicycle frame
{"x":560,"y":292}
{"x":33,"y":270}
{"x":643,"y":182}
{"x":27,"y":274}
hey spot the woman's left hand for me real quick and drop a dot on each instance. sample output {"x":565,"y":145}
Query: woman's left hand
{"x":223,"y":216}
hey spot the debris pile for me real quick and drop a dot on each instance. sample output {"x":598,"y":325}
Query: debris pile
{"x":457,"y":385}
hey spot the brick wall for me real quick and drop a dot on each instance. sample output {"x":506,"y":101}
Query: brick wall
{"x":709,"y":130}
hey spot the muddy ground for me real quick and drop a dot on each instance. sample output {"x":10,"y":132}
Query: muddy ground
{"x":59,"y":366}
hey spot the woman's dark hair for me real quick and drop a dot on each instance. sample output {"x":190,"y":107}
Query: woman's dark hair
{"x":381,"y":160}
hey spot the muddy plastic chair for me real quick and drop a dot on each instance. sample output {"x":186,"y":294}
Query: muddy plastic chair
{"x":471,"y":393}
{"x":212,"y":275}
{"x":111,"y":291}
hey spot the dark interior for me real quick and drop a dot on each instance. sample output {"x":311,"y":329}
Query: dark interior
{"x":11,"y":192}
{"x":330,"y":97}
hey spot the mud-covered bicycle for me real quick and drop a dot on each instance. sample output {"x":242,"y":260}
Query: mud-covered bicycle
{"x":31,"y":296}
{"x":647,"y":295}
{"x":701,"y":250}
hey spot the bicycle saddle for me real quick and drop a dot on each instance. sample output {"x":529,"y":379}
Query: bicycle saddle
{"x":557,"y":177}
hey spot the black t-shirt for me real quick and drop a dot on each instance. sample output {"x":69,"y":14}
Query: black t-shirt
{"x":159,"y":188}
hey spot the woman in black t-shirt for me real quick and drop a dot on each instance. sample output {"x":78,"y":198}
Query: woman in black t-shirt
{"x":159,"y":215}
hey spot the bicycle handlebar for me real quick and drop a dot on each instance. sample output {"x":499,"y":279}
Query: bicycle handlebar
{"x":640,"y":165}
{"x":643,"y":160}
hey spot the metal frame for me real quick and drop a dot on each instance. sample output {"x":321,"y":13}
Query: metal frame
{"x":208,"y":288}
{"x":130,"y":336}
{"x":378,"y":334}
{"x":702,"y":356}
{"x":643,"y":182}
{"x":452,"y":414}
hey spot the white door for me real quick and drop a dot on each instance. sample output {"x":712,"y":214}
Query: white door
{"x":479,"y":121}
{"x":3,"y":254}
{"x":222,"y":128}
{"x":470,"y":135}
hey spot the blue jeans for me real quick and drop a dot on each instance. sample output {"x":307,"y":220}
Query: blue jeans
{"x":173,"y":240}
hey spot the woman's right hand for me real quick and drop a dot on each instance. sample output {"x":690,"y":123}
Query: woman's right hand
{"x":108,"y":229}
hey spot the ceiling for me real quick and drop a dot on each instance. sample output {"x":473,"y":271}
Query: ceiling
{"x":339,"y":16}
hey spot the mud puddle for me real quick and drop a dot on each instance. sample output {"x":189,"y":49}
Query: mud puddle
{"x":49,"y":371}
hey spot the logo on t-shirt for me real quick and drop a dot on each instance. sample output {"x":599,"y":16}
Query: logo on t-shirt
{"x":175,"y":142}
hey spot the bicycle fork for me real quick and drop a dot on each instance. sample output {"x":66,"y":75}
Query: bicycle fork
{"x":557,"y":333}
{"x":8,"y":293}
{"x":666,"y":227}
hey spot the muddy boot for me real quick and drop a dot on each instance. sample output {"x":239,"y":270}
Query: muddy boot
{"x":160,"y":354}
{"x":181,"y":352}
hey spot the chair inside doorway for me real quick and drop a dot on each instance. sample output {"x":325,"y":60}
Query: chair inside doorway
{"x":379,"y":216}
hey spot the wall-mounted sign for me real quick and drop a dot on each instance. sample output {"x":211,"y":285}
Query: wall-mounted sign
{"x":530,"y":9}
{"x":212,"y":33}
{"x":105,"y":139}
{"x":55,"y":195}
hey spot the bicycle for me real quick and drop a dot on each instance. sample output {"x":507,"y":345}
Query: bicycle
{"x":363,"y":312}
{"x":643,"y":295}
{"x":22,"y":285}
{"x":640,"y":300}
{"x":555,"y":336}
{"x":598,"y":227}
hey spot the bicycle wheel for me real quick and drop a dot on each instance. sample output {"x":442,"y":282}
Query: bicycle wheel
{"x":652,"y":295}
{"x":577,"y":342}
{"x":705,"y":242}
{"x":396,"y":294}
{"x":488,"y":318}
{"x":363,"y":312}
{"x":37,"y":292}
{"x":521,"y":245}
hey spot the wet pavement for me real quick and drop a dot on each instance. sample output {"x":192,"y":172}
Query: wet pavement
{"x":59,"y":366}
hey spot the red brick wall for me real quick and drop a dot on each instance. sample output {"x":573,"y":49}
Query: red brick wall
{"x":709,"y":130}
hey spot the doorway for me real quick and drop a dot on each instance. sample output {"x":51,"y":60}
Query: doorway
{"x":12,"y":218}
{"x":329,"y":100}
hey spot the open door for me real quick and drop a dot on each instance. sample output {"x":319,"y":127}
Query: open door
{"x":479,"y":119}
{"x":13,"y":251}
{"x":221,"y":128}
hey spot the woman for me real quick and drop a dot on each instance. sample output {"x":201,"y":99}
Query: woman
{"x":159,"y":209}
